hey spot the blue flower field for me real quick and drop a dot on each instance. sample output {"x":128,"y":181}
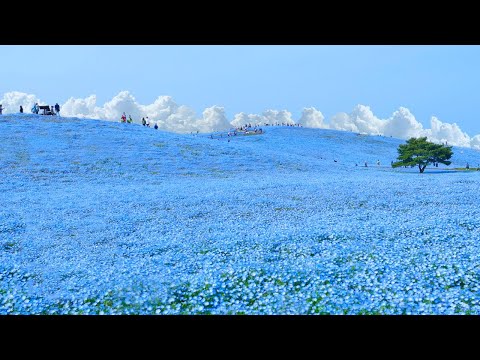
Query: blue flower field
{"x":101,"y":217}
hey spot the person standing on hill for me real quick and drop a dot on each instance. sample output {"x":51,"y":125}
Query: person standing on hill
{"x":129,"y":119}
{"x":57,"y":109}
{"x":1,"y":109}
{"x":124,"y":117}
{"x":143,"y":121}
{"x":21,"y":109}
{"x":35,"y":109}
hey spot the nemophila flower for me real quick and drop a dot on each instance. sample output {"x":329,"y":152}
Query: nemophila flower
{"x":349,"y":243}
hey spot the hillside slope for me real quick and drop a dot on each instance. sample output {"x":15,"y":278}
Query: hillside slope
{"x":104,"y":217}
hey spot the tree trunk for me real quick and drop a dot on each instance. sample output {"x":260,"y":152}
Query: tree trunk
{"x":422,"y":168}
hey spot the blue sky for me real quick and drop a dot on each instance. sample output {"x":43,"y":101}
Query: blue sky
{"x":441,"y":81}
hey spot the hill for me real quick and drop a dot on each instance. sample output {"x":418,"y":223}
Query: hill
{"x":105,"y":217}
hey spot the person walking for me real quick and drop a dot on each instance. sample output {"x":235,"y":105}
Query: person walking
{"x":57,"y":109}
{"x":130,"y":120}
{"x":21,"y":109}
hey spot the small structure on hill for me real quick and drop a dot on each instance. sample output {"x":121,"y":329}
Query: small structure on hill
{"x":46,"y":110}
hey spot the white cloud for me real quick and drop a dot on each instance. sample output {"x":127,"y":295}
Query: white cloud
{"x":403,"y":125}
{"x":82,"y":108}
{"x":475,"y":142}
{"x":360,"y":120}
{"x":11,"y":102}
{"x":268,"y":117}
{"x":243,"y":119}
{"x":164,"y":111}
{"x":161,"y":108}
{"x":213,"y":119}
{"x":180,"y":118}
{"x":441,"y":132}
{"x":124,"y":102}
{"x":341,"y":121}
{"x":312,"y":118}
{"x":278,"y":116}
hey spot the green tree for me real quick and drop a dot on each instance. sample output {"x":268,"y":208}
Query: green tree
{"x":419,"y":151}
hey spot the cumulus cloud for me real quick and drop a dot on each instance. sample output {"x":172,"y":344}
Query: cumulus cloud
{"x":11,"y":102}
{"x":451,"y":133}
{"x":171,"y":116}
{"x":162,"y":108}
{"x":360,"y":120}
{"x":164,"y":111}
{"x":213,"y":118}
{"x":82,"y":108}
{"x":241,"y":119}
{"x":278,"y":116}
{"x":181,"y":120}
{"x":475,"y":142}
{"x":312,"y":118}
{"x":403,"y":125}
{"x":268,"y":117}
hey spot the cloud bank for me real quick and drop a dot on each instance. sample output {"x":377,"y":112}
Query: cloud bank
{"x":11,"y":102}
{"x":164,"y":111}
{"x":173,"y":117}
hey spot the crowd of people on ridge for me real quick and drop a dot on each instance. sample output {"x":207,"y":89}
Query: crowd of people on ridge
{"x":145,"y":120}
{"x":52,"y":110}
{"x":246,"y":129}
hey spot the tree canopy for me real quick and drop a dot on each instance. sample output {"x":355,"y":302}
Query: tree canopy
{"x":419,"y":151}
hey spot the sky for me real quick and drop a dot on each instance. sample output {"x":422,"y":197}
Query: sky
{"x":430,"y":81}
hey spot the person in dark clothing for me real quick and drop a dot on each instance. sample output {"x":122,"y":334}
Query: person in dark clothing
{"x":1,"y":109}
{"x":57,"y":109}
{"x":143,"y":121}
{"x":21,"y":109}
{"x":156,"y":126}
